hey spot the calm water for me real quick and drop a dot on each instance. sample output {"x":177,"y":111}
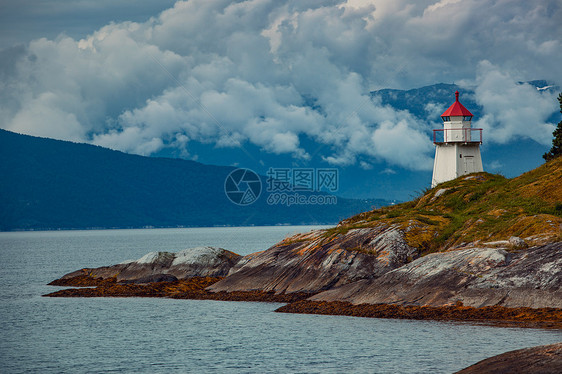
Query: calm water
{"x":132,"y":335}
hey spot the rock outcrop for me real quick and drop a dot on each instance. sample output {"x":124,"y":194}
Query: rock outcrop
{"x":544,"y":318}
{"x":545,"y":359}
{"x":476,"y":248}
{"x":320,"y":260}
{"x":158,"y":267}
{"x":475,"y":277}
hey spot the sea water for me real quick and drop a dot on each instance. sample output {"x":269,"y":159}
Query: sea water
{"x":142,"y":335}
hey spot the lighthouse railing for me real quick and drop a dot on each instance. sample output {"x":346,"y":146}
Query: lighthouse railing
{"x":458,"y":135}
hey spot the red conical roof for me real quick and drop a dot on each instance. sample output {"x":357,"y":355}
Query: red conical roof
{"x":457,"y":109}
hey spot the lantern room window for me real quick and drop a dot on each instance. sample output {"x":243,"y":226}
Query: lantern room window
{"x":446,"y":119}
{"x":467,"y":118}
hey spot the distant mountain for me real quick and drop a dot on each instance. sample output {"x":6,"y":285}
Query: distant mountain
{"x":415,"y":100}
{"x":373,"y":177}
{"x":52,"y":184}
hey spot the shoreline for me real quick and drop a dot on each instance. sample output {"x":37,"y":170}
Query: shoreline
{"x":117,"y":228}
{"x":192,"y":288}
{"x":195,"y":289}
{"x":546,"y":318}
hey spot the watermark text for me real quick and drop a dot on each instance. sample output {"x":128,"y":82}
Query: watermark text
{"x":288,"y":199}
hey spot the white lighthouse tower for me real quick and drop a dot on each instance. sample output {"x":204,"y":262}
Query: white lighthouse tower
{"x":457,"y":149}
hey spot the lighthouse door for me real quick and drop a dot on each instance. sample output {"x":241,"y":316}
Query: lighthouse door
{"x":468,"y":162}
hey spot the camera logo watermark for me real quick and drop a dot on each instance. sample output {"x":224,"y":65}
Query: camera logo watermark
{"x":286,"y":186}
{"x":242,"y":186}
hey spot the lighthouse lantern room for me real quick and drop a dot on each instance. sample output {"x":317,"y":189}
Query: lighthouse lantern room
{"x":457,"y":149}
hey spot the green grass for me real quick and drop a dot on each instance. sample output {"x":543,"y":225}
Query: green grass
{"x":483,"y":207}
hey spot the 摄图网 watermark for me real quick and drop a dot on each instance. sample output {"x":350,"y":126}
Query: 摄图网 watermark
{"x":285,"y":186}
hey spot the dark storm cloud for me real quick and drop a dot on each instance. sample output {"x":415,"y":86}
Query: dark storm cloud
{"x":24,"y":20}
{"x":270,"y":72}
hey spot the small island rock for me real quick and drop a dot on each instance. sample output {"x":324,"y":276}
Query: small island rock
{"x":161,"y":266}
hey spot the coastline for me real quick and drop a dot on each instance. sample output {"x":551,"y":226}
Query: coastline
{"x":195,"y":288}
{"x":479,"y":248}
{"x":545,"y":318}
{"x":191,"y":288}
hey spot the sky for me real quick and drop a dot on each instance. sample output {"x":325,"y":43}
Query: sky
{"x":285,"y":79}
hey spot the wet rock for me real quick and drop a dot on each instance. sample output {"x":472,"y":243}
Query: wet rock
{"x":545,"y":359}
{"x":192,"y":262}
{"x":476,"y":277}
{"x":152,"y":279}
{"x":192,"y":288}
{"x":494,"y":315}
{"x":320,"y":260}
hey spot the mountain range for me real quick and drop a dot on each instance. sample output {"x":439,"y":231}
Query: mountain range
{"x":53,"y":184}
{"x":50,"y":184}
{"x":380,"y":179}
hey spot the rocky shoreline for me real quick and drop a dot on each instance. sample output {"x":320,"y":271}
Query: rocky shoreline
{"x":475,"y":277}
{"x":550,"y":318}
{"x":480,"y":249}
{"x":190,"y":288}
{"x":480,"y":241}
{"x":316,"y":273}
{"x":197,"y":288}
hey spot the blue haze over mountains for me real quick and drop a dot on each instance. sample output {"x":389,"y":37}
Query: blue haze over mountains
{"x":50,"y":184}
{"x":381,"y":180}
{"x":53,"y":184}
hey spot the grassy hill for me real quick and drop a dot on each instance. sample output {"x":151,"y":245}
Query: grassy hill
{"x":479,"y":208}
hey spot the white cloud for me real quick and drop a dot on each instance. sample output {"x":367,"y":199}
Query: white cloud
{"x":53,"y":119}
{"x":512,"y":110}
{"x":365,"y":165}
{"x":495,"y":165}
{"x":403,"y":145}
{"x":434,"y":110}
{"x":388,"y":171}
{"x":271,"y":73}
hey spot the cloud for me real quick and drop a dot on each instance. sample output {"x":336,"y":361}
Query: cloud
{"x":365,"y":165}
{"x":273,"y":73}
{"x":512,"y":110}
{"x":24,"y":20}
{"x":404,"y":145}
{"x":388,"y":171}
{"x":495,"y":165}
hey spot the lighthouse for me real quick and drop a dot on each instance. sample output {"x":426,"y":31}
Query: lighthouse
{"x":457,"y":145}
